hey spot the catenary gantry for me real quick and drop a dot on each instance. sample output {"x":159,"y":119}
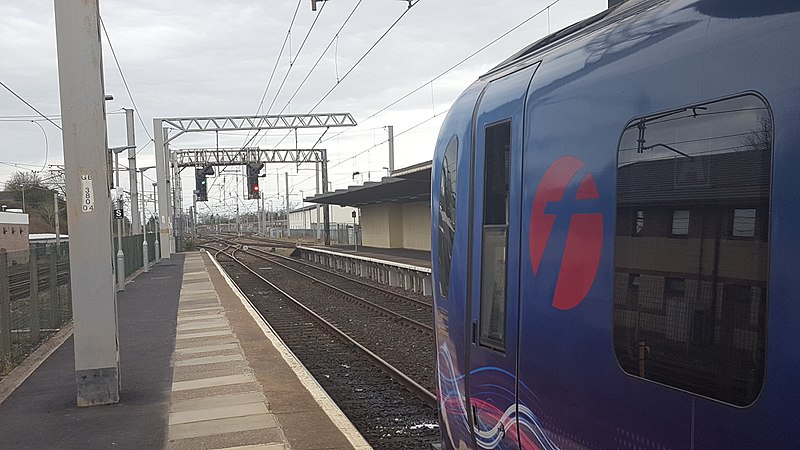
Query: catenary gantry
{"x":168,"y":166}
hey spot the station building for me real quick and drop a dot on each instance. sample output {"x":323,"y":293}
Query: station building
{"x":307,"y":222}
{"x":14,"y":236}
{"x":394,"y":213}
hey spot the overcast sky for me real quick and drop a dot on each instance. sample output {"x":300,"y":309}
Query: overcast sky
{"x":214,"y":58}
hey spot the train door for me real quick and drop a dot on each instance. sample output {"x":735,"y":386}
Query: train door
{"x":495,"y":246}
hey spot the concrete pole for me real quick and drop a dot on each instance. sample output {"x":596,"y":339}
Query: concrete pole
{"x":288,"y":229}
{"x":145,"y":250}
{"x":136,"y":226}
{"x":162,"y":184}
{"x":120,"y":254}
{"x":391,"y":149}
{"x":86,"y":172}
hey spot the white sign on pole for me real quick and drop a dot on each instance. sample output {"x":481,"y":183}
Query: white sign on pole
{"x":88,"y":193}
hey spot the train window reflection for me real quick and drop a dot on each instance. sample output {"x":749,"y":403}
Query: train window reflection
{"x":744,"y":223}
{"x":690,"y":313}
{"x":680,"y":222}
{"x":447,"y":214}
{"x":495,"y":239}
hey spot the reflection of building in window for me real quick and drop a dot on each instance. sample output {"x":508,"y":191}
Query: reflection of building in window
{"x":638,"y":224}
{"x":744,"y":222}
{"x":680,"y":222}
{"x":447,"y":214}
{"x":495,"y":236}
{"x":698,"y":304}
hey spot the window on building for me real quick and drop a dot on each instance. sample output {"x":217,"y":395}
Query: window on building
{"x":698,"y":324}
{"x":447,"y":214}
{"x":495,"y":239}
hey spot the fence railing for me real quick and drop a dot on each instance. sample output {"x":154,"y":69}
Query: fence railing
{"x":35,"y":299}
{"x":35,"y":294}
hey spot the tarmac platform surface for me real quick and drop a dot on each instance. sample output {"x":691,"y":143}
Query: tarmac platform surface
{"x":198,"y":370}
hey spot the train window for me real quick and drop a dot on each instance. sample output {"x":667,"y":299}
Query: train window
{"x":495,"y":239}
{"x":691,"y":313}
{"x":447,"y":214}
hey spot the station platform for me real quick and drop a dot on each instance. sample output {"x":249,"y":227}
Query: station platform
{"x":199,"y":369}
{"x":419,"y":258}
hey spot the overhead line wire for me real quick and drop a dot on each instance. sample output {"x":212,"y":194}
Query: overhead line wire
{"x":127,"y":88}
{"x":339,"y":80}
{"x":29,"y":105}
{"x":275,"y":67}
{"x":302,"y":83}
{"x":453,"y":67}
{"x":291,"y":65}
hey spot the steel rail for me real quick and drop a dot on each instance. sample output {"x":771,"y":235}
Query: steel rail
{"x":366,"y":285}
{"x":383,"y":309}
{"x":413,"y":387}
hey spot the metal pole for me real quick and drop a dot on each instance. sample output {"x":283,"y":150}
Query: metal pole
{"x":325,"y":209}
{"x":57,"y":219}
{"x":194,"y":215}
{"x":86,"y":169}
{"x":391,"y":149}
{"x":177,"y":230}
{"x":157,"y":246}
{"x":145,"y":250}
{"x":120,"y":254}
{"x":136,"y":226}
{"x":355,"y":231}
{"x":288,"y":230}
{"x":262,"y":218}
{"x":317,"y":234}
{"x":238,"y":223}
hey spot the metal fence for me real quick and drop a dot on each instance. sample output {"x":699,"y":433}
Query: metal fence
{"x":340,"y":234}
{"x":35,"y":294}
{"x":35,"y":299}
{"x":132,"y":248}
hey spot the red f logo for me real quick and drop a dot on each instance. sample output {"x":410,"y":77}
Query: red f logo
{"x":566,"y":231}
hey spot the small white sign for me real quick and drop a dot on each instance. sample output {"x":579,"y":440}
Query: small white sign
{"x":87,"y":193}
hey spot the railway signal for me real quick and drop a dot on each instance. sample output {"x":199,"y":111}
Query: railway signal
{"x":200,"y":182}
{"x":253,"y":191}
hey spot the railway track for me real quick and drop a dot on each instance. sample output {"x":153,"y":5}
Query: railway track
{"x":411,"y":311}
{"x":389,"y":408}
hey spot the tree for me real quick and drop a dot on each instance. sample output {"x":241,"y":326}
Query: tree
{"x":36,"y":198}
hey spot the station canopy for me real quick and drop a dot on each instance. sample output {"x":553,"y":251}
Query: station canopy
{"x":409,"y":184}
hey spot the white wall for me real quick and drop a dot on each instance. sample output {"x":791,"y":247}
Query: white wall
{"x":417,"y":226}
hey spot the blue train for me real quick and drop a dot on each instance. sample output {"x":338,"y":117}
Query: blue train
{"x":615,"y":232}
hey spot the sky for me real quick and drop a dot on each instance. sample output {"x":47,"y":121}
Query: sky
{"x":187,"y":58}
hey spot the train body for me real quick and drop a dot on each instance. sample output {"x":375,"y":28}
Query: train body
{"x":615,"y":228}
